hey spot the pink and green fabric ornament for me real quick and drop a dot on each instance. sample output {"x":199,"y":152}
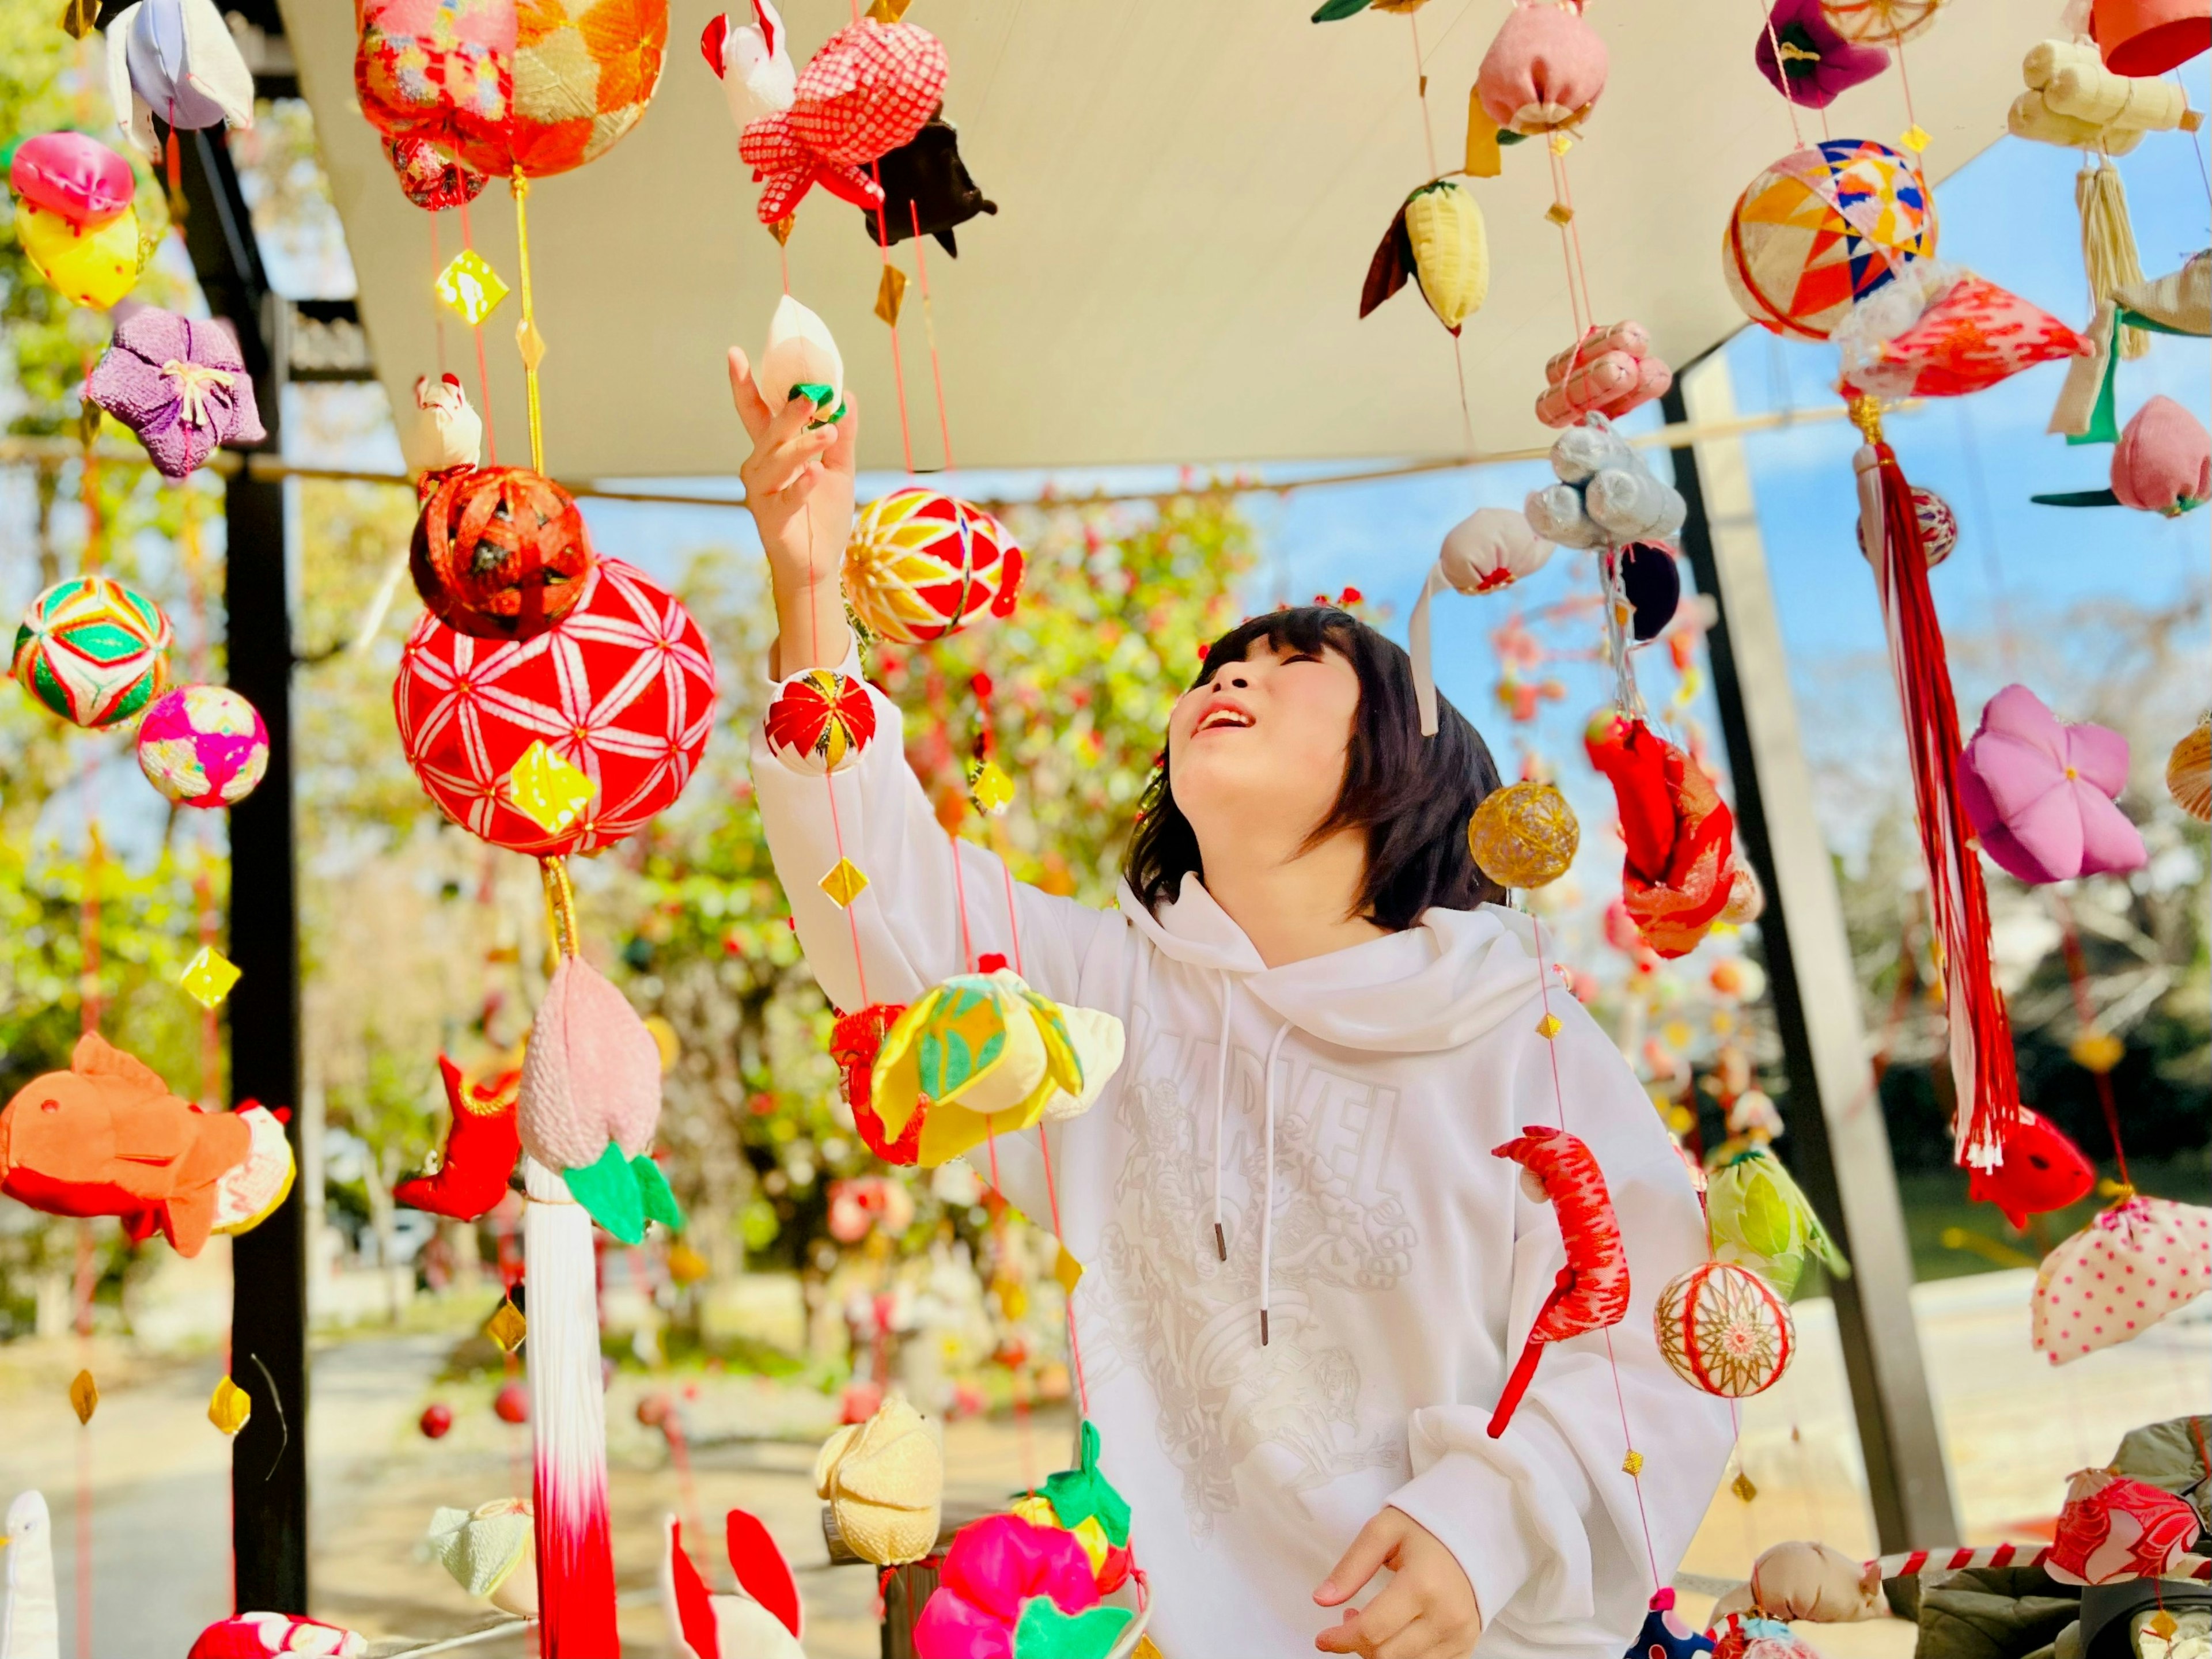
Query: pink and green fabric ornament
{"x":1815,"y":61}
{"x":92,"y":650}
{"x":2040,"y":793}
{"x":1011,"y":1591}
{"x":181,"y":384}
{"x":203,"y":746}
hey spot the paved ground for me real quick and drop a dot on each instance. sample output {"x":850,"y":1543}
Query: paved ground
{"x":2015,"y":1427}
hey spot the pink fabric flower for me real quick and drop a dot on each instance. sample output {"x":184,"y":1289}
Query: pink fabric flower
{"x":2040,"y":793}
{"x":994,"y":1565}
{"x":1817,"y":63}
{"x":181,"y":384}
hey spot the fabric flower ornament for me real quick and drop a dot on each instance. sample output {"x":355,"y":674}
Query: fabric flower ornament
{"x":2134,"y":1264}
{"x":181,"y":384}
{"x":176,"y":60}
{"x":1437,"y":238}
{"x":868,"y":90}
{"x":2112,"y":1529}
{"x":1816,"y":63}
{"x":2041,"y":794}
{"x":984,"y":1055}
{"x":1011,"y":1591}
{"x":1938,"y":331}
{"x":1761,"y":1219}
{"x":1591,"y":1291}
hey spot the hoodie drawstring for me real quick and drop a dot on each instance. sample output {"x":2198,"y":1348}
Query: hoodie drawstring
{"x":1267,"y":1213}
{"x":1220,"y":1108}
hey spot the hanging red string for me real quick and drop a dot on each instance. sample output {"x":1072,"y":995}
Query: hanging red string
{"x":929,"y":327}
{"x":483,"y":370}
{"x":2077,"y":975}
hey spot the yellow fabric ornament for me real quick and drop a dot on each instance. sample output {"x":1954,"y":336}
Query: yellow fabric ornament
{"x":1451,"y":253}
{"x":93,"y":268}
{"x":984,"y":1055}
{"x":884,"y":1480}
{"x":1523,"y":836}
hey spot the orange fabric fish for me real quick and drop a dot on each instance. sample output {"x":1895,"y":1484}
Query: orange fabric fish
{"x":107,"y":1138}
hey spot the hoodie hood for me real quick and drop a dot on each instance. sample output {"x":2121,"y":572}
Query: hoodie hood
{"x":1450,"y":978}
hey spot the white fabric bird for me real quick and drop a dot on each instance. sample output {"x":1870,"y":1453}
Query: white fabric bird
{"x":763,"y":1621}
{"x":754,"y":62}
{"x":30,"y":1622}
{"x":446,"y":433}
{"x":175,"y":59}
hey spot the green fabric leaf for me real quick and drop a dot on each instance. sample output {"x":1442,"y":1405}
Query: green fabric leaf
{"x":1078,"y":1493}
{"x":1046,"y":1632}
{"x":608,"y":1192}
{"x":2078,"y":498}
{"x":1332,"y":11}
{"x":653,"y":1194}
{"x":2104,"y":416}
{"x":1765,"y":1221}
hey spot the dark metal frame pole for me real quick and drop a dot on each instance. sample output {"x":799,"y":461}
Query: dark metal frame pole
{"x":269,"y":1312}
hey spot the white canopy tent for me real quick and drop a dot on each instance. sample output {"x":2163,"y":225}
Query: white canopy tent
{"x":1189,"y":195}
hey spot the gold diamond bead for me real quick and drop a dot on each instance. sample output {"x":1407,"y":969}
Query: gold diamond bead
{"x":1915,"y":138}
{"x":470,"y":286}
{"x":1634,"y":1463}
{"x":1742,"y":1486}
{"x":208,"y":977}
{"x":507,"y":1328}
{"x":1548,"y":1027}
{"x":547,"y":790}
{"x":530,"y":344}
{"x":84,"y":1396}
{"x":891,"y":295}
{"x":993,"y":789}
{"x":1560,"y":213}
{"x":229,"y":1406}
{"x":1066,"y":1269}
{"x":845,"y":883}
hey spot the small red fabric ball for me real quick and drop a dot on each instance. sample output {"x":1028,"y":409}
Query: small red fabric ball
{"x":500,"y":552}
{"x":437,"y":1421}
{"x":512,"y":1403}
{"x":430,"y":178}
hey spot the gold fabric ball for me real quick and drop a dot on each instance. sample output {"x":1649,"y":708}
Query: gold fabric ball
{"x":1523,"y":836}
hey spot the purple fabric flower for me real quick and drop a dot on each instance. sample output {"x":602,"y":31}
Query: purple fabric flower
{"x":2040,"y":793}
{"x":1817,"y":63}
{"x":179,"y":384}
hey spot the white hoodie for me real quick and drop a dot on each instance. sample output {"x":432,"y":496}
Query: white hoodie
{"x":1397,"y":1263}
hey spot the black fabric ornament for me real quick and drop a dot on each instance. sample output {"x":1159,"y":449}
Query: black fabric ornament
{"x":1653,"y":583}
{"x":925,"y":181}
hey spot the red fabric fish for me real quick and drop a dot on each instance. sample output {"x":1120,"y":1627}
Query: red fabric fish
{"x":2042,"y":1170}
{"x":481,"y":1147}
{"x":1591,"y":1291}
{"x":107,"y":1138}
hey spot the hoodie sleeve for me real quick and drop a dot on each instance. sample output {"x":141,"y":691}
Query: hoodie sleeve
{"x":1545,"y":1520}
{"x":922,"y":917}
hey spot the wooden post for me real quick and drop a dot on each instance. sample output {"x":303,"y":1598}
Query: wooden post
{"x":1837,"y":1144}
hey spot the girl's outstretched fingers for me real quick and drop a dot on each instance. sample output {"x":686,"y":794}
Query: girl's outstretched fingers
{"x":752,"y":408}
{"x":1428,"y":1610}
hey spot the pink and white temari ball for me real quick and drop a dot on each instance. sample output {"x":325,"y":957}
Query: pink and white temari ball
{"x":2130,"y":1267}
{"x":203,"y":746}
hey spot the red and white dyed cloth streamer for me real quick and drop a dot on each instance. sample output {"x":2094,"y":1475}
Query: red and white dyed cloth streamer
{"x":569,"y":1425}
{"x":1988,"y":1090}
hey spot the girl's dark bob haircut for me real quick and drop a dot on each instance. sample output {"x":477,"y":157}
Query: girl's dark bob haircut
{"x":1411,"y":795}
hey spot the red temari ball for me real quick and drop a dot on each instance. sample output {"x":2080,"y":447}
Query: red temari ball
{"x":622,"y":689}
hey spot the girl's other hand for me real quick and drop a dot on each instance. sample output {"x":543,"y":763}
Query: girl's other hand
{"x":1428,"y":1610}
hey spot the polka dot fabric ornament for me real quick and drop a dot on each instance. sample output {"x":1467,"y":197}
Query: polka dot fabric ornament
{"x":500,"y":552}
{"x":92,"y":650}
{"x":622,"y":689}
{"x":2133,"y":1264}
{"x":1724,"y":1329}
{"x":921,"y":565}
{"x":1822,"y":228}
{"x":820,"y":721}
{"x":203,"y":746}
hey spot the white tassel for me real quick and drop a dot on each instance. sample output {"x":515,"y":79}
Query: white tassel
{"x":2108,"y":243}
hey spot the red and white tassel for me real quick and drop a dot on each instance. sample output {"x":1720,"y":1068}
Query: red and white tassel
{"x":569,"y":1425}
{"x":1908,"y":1563}
{"x":1988,"y":1090}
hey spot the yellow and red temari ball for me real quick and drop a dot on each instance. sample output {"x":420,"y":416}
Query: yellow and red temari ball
{"x":820,"y":721}
{"x":92,"y":650}
{"x":203,"y":746}
{"x":921,"y":565}
{"x":1724,"y":1329}
{"x":1822,"y":228}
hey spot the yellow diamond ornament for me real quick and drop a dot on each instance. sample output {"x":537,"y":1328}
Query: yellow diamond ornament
{"x":547,"y":790}
{"x":993,"y":789}
{"x":229,"y":1406}
{"x":2162,"y":1624}
{"x":1634,"y":1463}
{"x":84,"y":1396}
{"x":1066,"y":1269}
{"x":470,"y":286}
{"x":1560,"y":213}
{"x":1914,"y":138}
{"x":208,"y":977}
{"x":845,"y":883}
{"x":507,"y":1327}
{"x":891,"y":295}
{"x":2097,"y":1051}
{"x":1548,"y":1027}
{"x":1742,"y":1486}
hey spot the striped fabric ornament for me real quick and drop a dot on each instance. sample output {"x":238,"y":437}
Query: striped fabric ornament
{"x":921,"y":565}
{"x":92,"y":650}
{"x":820,"y":721}
{"x":1725,"y":1329}
{"x":1822,"y":228}
{"x":621,"y":689}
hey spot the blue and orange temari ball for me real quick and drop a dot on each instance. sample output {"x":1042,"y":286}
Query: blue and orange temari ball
{"x":1822,"y":228}
{"x":92,"y":650}
{"x":203,"y":746}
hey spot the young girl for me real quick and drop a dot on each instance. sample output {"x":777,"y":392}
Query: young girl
{"x":1307,"y":1277}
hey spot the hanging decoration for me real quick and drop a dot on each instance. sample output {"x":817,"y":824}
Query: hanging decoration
{"x":1808,"y":60}
{"x":927,"y":190}
{"x":203,"y":746}
{"x":1941,"y":332}
{"x":764,"y":1620}
{"x":89,"y":263}
{"x":1679,"y":874}
{"x":1724,"y":1329}
{"x":801,"y":359}
{"x":27,"y":1603}
{"x":429,"y":178}
{"x":77,"y":178}
{"x":2189,"y":771}
{"x":2074,"y":101}
{"x":1081,"y":1501}
{"x":869,"y":89}
{"x":921,"y":565}
{"x":2043,"y":1170}
{"x":1760,"y":1218}
{"x":2161,"y":463}
{"x":490,"y":1551}
{"x":1823,"y":228}
{"x":1939,"y":527}
{"x":181,"y":384}
{"x":1591,"y":1291}
{"x":1606,"y":496}
{"x":1024,"y":1591}
{"x":1651,"y":582}
{"x":1523,"y":836}
{"x":820,"y":721}
{"x":1812,"y":1582}
{"x":2041,"y":795}
{"x":2149,"y":37}
{"x":752,"y":60}
{"x":446,"y":436}
{"x":470,"y":711}
{"x":983,"y":1055}
{"x":2136,"y":1261}
{"x":855,"y":1041}
{"x":1333,"y":11}
{"x":94,"y":651}
{"x":1437,"y":239}
{"x":2087,"y":411}
{"x":1492,"y":547}
{"x":1545,"y":69}
{"x":259,"y":1635}
{"x":884,"y":1480}
{"x":249,"y":1191}
{"x":175,"y":60}
{"x":1608,"y":372}
{"x":482,"y":1144}
{"x":500,"y":552}
{"x":2112,"y":1529}
{"x":1888,"y":22}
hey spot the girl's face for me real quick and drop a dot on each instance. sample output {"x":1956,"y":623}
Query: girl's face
{"x":1257,"y":752}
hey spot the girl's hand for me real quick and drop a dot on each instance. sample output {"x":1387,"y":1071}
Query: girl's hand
{"x":1427,"y":1612}
{"x":798,"y":487}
